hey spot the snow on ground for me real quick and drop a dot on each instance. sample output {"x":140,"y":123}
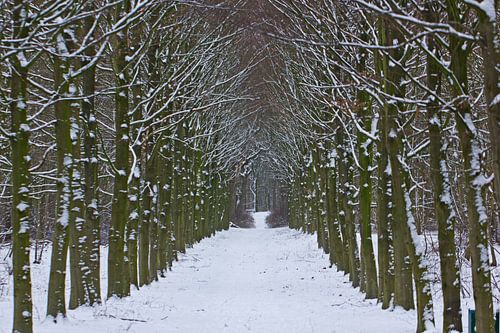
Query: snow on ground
{"x":260,"y":220}
{"x":241,"y":280}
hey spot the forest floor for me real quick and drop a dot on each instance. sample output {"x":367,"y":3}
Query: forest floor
{"x":241,"y":280}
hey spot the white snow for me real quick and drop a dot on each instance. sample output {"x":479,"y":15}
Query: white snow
{"x":241,"y":280}
{"x":22,"y":206}
{"x":495,"y":101}
{"x":24,"y":127}
{"x":22,"y":59}
{"x":260,"y":220}
{"x":487,"y":6}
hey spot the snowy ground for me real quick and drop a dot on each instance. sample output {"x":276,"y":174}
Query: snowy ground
{"x":260,"y":220}
{"x":242,"y":280}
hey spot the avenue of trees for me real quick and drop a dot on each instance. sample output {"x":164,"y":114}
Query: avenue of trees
{"x":140,"y":127}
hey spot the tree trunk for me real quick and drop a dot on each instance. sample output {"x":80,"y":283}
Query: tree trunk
{"x":91,"y":166}
{"x":147,"y":216}
{"x":178,"y":199}
{"x":443,"y":205}
{"x":64,"y":204}
{"x":119,"y":208}
{"x":403,"y":207}
{"x":346,"y":173}
{"x":365,"y":153}
{"x":403,"y":288}
{"x":491,"y":57}
{"x":342,"y":200}
{"x":384,"y":226}
{"x":336,"y":247}
{"x":20,"y":175}
{"x":474,"y":178}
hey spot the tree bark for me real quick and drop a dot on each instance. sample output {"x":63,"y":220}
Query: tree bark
{"x":65,"y":163}
{"x":91,"y":164}
{"x":119,"y":207}
{"x":443,"y":205}
{"x":19,"y":141}
{"x":474,"y":178}
{"x":365,"y":153}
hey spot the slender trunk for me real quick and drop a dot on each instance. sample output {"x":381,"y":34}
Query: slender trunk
{"x":20,"y":176}
{"x":147,"y":216}
{"x":384,"y":227}
{"x":336,"y":247}
{"x":81,"y":283}
{"x":403,"y":209}
{"x":154,"y":227}
{"x":365,"y":153}
{"x":198,"y":193}
{"x":91,"y":167}
{"x":165,"y":241}
{"x":443,"y":205}
{"x":384,"y":206}
{"x":342,"y":201}
{"x":319,"y":184}
{"x":490,"y":45}
{"x":180,"y":244}
{"x":64,"y":204}
{"x":79,"y":259}
{"x":119,"y":208}
{"x":346,"y":173}
{"x":135,"y":197}
{"x":474,"y":178}
{"x":403,"y":288}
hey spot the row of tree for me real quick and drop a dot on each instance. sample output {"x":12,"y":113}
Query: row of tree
{"x":397,"y":108}
{"x":114,"y":130}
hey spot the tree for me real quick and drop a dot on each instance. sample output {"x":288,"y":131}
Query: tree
{"x":116,"y":268}
{"x":19,"y":138}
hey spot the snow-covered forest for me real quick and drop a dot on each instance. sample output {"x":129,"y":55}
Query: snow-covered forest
{"x":133,"y":130}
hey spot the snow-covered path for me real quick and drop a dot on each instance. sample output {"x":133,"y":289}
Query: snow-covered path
{"x":260,"y":220}
{"x":253,"y":280}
